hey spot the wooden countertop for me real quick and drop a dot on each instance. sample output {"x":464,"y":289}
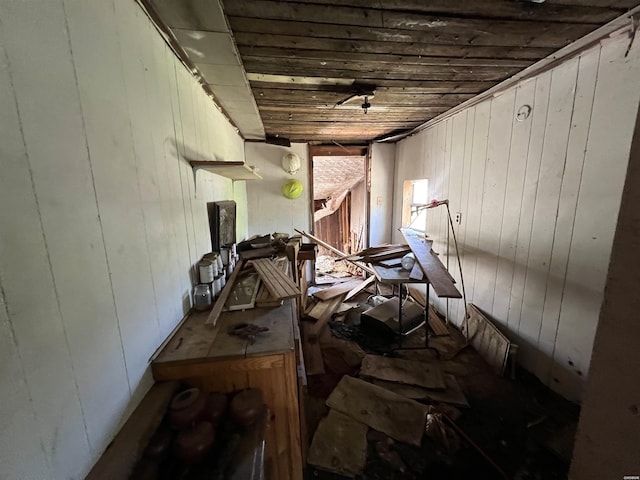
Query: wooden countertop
{"x":195,"y":341}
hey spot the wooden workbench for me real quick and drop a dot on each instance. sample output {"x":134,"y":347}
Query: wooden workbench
{"x":213,"y":360}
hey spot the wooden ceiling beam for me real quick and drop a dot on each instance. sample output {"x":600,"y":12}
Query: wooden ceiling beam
{"x":381,"y":98}
{"x":484,"y":35}
{"x":411,"y":21}
{"x":420,"y":60}
{"x":600,"y":11}
{"x":371,"y":75}
{"x":249,"y":39}
{"x":387,"y":86}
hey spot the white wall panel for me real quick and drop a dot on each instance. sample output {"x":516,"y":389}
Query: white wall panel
{"x":101,"y":221}
{"x":539,"y":201}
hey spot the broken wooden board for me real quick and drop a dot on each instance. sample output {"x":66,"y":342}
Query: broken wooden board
{"x":328,"y":309}
{"x":487,"y":340}
{"x":339,"y":289}
{"x":387,"y":255}
{"x":311,"y":352}
{"x":433,"y":269}
{"x":400,"y":418}
{"x":278,"y":283}
{"x":427,"y":375}
{"x":354,"y":291}
{"x":265,"y":299}
{"x":452,"y":393}
{"x":394,"y":262}
{"x":258,"y":253}
{"x":339,"y":445}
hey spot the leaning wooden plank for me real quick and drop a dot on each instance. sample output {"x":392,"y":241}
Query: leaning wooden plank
{"x":332,"y":305}
{"x":280,"y":285}
{"x":339,"y":445}
{"x":119,"y":460}
{"x":265,"y":299}
{"x":395,"y":253}
{"x":224,"y":294}
{"x":452,"y":394}
{"x":409,"y":372}
{"x":353,"y":292}
{"x":336,"y":251}
{"x":311,"y":352}
{"x":397,"y":416}
{"x":487,"y":340}
{"x":334,"y":291}
{"x":433,"y":269}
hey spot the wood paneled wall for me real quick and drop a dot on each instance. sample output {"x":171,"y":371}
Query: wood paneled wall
{"x":539,"y":202}
{"x":100,"y":220}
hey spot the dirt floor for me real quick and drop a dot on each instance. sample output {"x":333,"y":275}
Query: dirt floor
{"x":510,"y":421}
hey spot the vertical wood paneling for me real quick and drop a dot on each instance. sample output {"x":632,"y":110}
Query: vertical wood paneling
{"x":539,"y":200}
{"x":612,"y":120}
{"x":496,"y":168}
{"x":546,"y":206}
{"x":519,"y":147}
{"x":40,"y":399}
{"x":99,"y":219}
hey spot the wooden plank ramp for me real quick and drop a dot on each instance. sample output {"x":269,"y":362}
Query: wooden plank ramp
{"x":432,"y":267}
{"x":278,"y":283}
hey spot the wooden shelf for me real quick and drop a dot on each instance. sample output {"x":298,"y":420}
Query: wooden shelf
{"x":232,"y":170}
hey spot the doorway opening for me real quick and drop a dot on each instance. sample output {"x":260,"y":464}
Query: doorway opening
{"x":340,"y":204}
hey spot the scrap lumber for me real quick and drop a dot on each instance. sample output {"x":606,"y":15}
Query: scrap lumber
{"x":257,"y":253}
{"x":336,"y":251}
{"x":328,"y":309}
{"x":311,"y":352}
{"x":339,"y":445}
{"x":433,"y":269}
{"x":452,"y":393}
{"x":421,"y":374}
{"x":334,"y":291}
{"x":356,"y":290}
{"x":278,"y":284}
{"x":416,"y":272}
{"x":399,"y":417}
{"x":212,"y":319}
{"x":395,"y":253}
{"x":394,"y":262}
{"x":265,"y":299}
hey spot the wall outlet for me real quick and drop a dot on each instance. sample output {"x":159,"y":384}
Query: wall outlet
{"x":458,"y":218}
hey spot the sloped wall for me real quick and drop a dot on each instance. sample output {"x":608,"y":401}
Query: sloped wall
{"x":100,"y":221}
{"x":539,"y":201}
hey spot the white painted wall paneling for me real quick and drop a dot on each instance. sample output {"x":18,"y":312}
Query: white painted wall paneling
{"x":539,"y":200}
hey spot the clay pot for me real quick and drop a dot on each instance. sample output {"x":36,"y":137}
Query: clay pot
{"x":216,"y":407}
{"x":187,"y":407}
{"x":193,"y":444}
{"x":159,"y":443}
{"x":246,"y":407}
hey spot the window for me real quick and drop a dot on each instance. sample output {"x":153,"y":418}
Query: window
{"x":415,"y":194}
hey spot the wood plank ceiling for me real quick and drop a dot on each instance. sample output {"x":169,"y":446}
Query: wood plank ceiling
{"x":303,"y":57}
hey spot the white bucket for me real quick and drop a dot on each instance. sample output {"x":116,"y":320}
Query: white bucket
{"x":206,"y":271}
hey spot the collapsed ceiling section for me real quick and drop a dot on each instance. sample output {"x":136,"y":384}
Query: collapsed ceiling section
{"x":333,"y":179}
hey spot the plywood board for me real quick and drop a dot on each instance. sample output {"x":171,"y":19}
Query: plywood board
{"x":339,"y":445}
{"x":452,"y":393}
{"x":397,"y":416}
{"x":409,"y":372}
